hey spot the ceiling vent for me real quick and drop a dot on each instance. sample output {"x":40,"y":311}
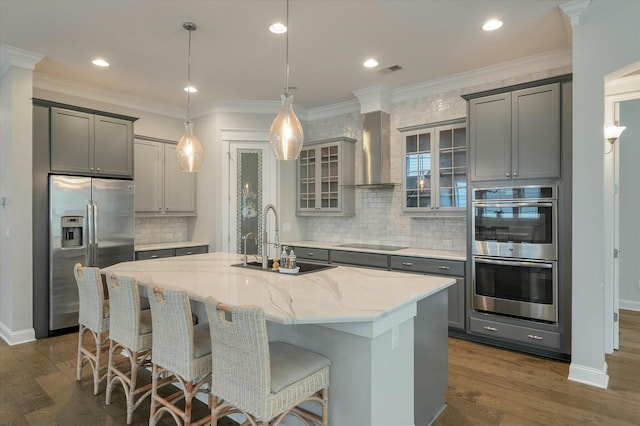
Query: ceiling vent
{"x":389,"y":69}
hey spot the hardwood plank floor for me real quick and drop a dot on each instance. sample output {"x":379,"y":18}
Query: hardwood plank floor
{"x":492,"y":386}
{"x":487,"y":386}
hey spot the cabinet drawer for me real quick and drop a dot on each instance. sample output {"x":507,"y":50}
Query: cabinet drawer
{"x":370,"y":260}
{"x":530,"y":336}
{"x":312,"y":253}
{"x":185,"y":251}
{"x":154,"y":254}
{"x":431,"y":266}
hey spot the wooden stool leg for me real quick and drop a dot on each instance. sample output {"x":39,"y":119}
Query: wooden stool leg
{"x":325,"y":407}
{"x":79,"y":364}
{"x":110,"y":373}
{"x":154,"y":393}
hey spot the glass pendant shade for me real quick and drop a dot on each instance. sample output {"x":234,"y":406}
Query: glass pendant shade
{"x":189,"y":151}
{"x":286,"y":135}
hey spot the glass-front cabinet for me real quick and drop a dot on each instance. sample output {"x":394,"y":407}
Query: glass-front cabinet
{"x":435,"y":167}
{"x":326,"y":177}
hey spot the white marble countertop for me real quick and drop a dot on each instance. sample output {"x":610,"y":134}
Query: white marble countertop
{"x":415,"y":252}
{"x":337,"y":295}
{"x":162,"y":246}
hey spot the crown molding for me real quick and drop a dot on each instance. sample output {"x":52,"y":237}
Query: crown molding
{"x":375,"y":98}
{"x":574,"y":9}
{"x":342,"y":108}
{"x":505,"y":70}
{"x":15,"y":57}
{"x":86,"y":91}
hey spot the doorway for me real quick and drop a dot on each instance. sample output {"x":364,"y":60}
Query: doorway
{"x":250,"y":175}
{"x":622,"y":107}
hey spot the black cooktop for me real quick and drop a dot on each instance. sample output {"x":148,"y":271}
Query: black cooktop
{"x":371,"y":246}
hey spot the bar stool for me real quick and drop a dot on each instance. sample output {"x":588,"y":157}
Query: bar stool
{"x":181,"y":352}
{"x":130,"y":335}
{"x":262,"y":380}
{"x":93,"y":318}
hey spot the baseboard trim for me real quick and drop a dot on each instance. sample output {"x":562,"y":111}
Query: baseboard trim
{"x":17,"y":337}
{"x":589,"y":376}
{"x":631,"y":305}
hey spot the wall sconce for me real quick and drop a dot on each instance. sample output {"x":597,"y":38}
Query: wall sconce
{"x":612,"y":133}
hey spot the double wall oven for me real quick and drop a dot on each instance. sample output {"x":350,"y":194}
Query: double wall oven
{"x":515,"y":252}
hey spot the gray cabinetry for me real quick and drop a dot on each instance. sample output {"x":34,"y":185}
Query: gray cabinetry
{"x":161,"y":188}
{"x":326,"y":178}
{"x":171,"y":252}
{"x":499,"y":330}
{"x":516,"y":134}
{"x":450,"y":268}
{"x":86,"y":143}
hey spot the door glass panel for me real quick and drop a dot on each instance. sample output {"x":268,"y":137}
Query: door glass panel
{"x":249,"y":202}
{"x":521,"y":283}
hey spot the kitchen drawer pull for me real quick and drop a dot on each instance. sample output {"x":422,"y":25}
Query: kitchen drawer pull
{"x":407,"y":263}
{"x":153,"y":256}
{"x":311,"y":253}
{"x":189,"y":252}
{"x":444,"y":267}
{"x":534,"y":337}
{"x":486,"y":327}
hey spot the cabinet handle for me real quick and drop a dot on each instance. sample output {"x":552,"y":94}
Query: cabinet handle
{"x":189,"y":252}
{"x":507,"y":174}
{"x":153,"y":256}
{"x":486,"y":327}
{"x":91,"y":168}
{"x":407,"y":263}
{"x":534,"y":337}
{"x":98,"y":169}
{"x":444,"y":267}
{"x":311,"y":253}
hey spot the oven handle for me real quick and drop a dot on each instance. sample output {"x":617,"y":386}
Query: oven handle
{"x":537,"y":204}
{"x":514,"y":263}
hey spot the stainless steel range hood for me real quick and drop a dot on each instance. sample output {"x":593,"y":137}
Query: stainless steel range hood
{"x":376,"y":151}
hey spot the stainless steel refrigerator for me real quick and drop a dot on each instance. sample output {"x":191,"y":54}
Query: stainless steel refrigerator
{"x":91,"y":221}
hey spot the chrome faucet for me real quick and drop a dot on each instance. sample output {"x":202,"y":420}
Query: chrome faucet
{"x":265,"y":236}
{"x":246,"y":237}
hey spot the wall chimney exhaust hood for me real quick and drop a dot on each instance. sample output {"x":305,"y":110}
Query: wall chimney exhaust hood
{"x":376,"y":151}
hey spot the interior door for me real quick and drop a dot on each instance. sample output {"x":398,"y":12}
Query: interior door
{"x":251,"y":186}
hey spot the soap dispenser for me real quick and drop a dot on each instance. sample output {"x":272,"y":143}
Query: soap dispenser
{"x":284,"y":260}
{"x":292,"y":260}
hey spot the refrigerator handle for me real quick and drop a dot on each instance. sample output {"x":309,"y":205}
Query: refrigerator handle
{"x":89,"y":256}
{"x":95,"y":233}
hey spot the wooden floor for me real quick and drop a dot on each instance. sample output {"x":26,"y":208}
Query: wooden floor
{"x":487,"y":386}
{"x":491,"y":386}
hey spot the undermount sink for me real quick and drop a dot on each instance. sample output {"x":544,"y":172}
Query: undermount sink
{"x":305,"y":267}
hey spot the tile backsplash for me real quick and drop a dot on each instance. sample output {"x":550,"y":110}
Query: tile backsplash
{"x":152,"y":230}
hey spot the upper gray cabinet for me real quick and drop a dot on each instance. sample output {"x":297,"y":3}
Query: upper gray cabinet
{"x":435,"y":167}
{"x":161,"y":188}
{"x":91,"y":144}
{"x":326,"y":178}
{"x":516,"y":134}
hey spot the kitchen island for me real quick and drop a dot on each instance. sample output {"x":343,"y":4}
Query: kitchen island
{"x":385,"y":332}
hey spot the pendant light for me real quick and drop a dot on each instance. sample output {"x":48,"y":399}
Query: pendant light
{"x":189,"y":151}
{"x":286,"y":135}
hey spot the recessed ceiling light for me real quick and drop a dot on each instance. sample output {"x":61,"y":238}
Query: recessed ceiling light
{"x":370,"y":63}
{"x":190,"y":89}
{"x":99,"y":62}
{"x":492,"y":24}
{"x":278,"y":28}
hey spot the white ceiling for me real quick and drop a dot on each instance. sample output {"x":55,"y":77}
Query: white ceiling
{"x":234,"y":57}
